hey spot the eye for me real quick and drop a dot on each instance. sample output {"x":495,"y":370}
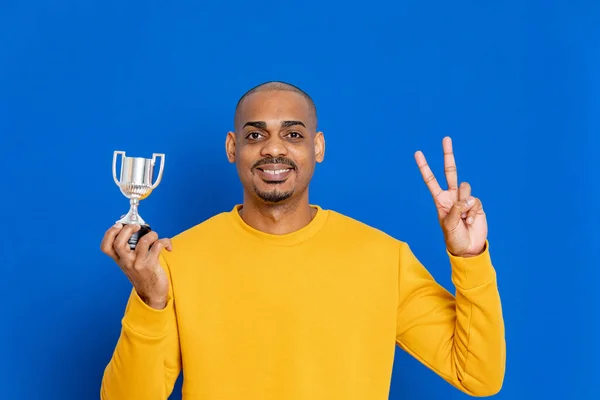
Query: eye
{"x":253,"y":135}
{"x":295,"y":135}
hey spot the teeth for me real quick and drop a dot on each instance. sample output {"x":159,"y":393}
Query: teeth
{"x":275,"y":171}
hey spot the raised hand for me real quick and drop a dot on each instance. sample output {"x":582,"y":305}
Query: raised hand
{"x":141,"y":265}
{"x":460,"y":214}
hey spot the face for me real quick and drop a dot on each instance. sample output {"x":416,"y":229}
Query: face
{"x":275,"y":146}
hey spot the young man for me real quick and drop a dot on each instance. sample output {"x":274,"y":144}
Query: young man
{"x":279,"y":299}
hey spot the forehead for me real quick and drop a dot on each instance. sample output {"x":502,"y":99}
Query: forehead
{"x":275,"y":106}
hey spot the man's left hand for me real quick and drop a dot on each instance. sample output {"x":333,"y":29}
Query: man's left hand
{"x":460,"y":214}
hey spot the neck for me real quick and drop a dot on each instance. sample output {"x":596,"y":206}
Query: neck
{"x":277,"y":219}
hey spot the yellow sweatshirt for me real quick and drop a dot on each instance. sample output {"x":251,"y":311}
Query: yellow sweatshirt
{"x":311,"y":315}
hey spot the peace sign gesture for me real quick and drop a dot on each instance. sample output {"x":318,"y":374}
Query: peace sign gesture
{"x":461,"y":215}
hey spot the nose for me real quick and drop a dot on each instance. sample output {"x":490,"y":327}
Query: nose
{"x":274,"y":147}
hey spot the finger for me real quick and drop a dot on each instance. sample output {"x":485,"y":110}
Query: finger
{"x":474,"y":211}
{"x":106,"y":246}
{"x":450,"y":164}
{"x":121,"y":244}
{"x":143,"y":245}
{"x":158,"y":246}
{"x":459,"y":208}
{"x":427,"y":175}
{"x":464,"y":191}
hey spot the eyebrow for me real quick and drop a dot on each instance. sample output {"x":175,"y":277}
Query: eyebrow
{"x":287,"y":124}
{"x":263,"y":125}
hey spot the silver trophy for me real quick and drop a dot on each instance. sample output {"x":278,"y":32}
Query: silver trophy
{"x":136,"y":184}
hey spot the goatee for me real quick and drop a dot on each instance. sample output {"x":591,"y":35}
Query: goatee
{"x":273,"y":196}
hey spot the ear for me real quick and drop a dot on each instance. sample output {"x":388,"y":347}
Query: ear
{"x":319,"y":147}
{"x":230,"y":146}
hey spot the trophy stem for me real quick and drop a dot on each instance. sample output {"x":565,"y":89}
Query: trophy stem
{"x":133,"y":211}
{"x":133,"y":217}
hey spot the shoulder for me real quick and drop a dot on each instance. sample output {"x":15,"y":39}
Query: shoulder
{"x":355,"y":230}
{"x":199,"y":241}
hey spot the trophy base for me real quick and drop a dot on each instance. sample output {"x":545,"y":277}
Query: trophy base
{"x":144,"y":229}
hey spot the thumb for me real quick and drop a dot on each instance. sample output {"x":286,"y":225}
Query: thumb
{"x":453,"y":219}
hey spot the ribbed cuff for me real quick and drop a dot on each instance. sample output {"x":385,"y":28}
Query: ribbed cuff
{"x":471,"y":272}
{"x":141,"y":319}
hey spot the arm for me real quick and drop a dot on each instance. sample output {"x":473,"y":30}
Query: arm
{"x":146,"y":361}
{"x":461,"y":337}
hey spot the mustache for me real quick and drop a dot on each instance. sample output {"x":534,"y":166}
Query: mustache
{"x":274,"y":160}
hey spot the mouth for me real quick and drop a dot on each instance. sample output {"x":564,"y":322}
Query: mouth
{"x":276,"y":173}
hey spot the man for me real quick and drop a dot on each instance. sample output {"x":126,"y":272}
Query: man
{"x":279,"y":299}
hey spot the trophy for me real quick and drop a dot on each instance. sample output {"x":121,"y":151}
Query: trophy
{"x":136,"y":184}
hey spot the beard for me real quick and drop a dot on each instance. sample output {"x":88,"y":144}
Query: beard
{"x":273,"y":196}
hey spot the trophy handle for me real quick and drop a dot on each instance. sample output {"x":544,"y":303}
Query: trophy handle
{"x":160,"y":170}
{"x":114,"y":166}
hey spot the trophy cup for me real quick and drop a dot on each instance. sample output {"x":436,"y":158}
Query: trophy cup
{"x":136,"y":184}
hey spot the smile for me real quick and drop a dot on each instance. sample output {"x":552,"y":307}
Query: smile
{"x":274,"y":174}
{"x":275,"y":171}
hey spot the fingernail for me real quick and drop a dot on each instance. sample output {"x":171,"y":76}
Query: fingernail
{"x":470,"y":220}
{"x":118,"y":225}
{"x":470,"y":201}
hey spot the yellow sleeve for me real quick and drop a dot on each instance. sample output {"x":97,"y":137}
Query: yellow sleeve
{"x":146,"y":361}
{"x":461,"y":337}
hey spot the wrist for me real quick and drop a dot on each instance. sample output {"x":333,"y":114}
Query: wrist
{"x":158,"y":303}
{"x":467,"y":254}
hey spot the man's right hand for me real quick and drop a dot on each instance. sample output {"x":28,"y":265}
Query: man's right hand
{"x":140,"y":265}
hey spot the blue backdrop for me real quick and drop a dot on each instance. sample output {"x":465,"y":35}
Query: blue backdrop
{"x":515,"y":83}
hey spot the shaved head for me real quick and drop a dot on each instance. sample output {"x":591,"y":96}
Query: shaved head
{"x":275,"y":86}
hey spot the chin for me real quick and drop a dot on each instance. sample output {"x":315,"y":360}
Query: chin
{"x":273,"y":196}
{"x":273,"y":193}
{"x":279,"y":198}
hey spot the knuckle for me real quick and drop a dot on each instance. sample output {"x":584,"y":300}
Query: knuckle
{"x":150,"y":237}
{"x":139,"y":266}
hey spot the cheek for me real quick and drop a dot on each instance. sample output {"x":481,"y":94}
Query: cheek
{"x":305,"y":167}
{"x":246,"y":158}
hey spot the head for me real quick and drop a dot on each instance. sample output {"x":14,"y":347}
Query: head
{"x":275,"y":144}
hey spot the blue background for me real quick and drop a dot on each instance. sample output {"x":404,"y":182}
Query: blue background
{"x":515,"y":83}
